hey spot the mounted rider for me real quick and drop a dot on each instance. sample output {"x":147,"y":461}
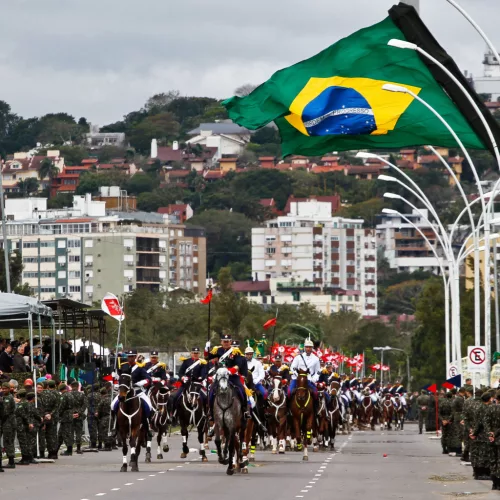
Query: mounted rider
{"x":399,"y":390}
{"x":192,"y":369}
{"x":140,"y":381}
{"x":157,"y":370}
{"x":237,"y":367}
{"x":258,"y":374}
{"x":326,"y":377}
{"x":278,"y":368}
{"x":307,"y":362}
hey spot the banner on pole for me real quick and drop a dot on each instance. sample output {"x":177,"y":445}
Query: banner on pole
{"x":111,"y":305}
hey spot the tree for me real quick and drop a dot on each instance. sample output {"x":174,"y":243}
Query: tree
{"x":59,"y":131}
{"x":140,"y":183}
{"x":16,"y":272}
{"x":159,"y":102}
{"x":47,"y":169}
{"x":229,"y":236}
{"x":245,"y":89}
{"x":61,"y":200}
{"x":28,"y":185}
{"x":366,"y":210}
{"x":163,"y":127}
{"x":266,"y":135}
{"x":8,"y":122}
{"x":400,"y":298}
{"x":73,"y":155}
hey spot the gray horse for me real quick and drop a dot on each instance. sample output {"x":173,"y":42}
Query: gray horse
{"x":228,"y":420}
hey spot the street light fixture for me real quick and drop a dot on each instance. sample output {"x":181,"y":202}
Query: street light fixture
{"x":388,"y":348}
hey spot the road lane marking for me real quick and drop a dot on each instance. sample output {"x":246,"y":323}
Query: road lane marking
{"x":100,"y":494}
{"x":115,"y":489}
{"x":304,"y":491}
{"x":152,"y":475}
{"x":129,"y":484}
{"x":162,"y":472}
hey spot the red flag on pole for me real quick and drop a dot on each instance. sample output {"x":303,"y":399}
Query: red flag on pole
{"x":269,"y":324}
{"x":432,"y":388}
{"x":111,"y":305}
{"x":208,"y":298}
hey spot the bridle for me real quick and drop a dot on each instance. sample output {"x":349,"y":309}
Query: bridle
{"x":135,"y":396}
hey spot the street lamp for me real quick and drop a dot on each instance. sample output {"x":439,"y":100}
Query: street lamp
{"x":388,"y":348}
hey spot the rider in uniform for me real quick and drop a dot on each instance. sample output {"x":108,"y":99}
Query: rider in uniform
{"x":195,"y":369}
{"x":157,"y":370}
{"x":258,"y":373}
{"x":141,"y":380}
{"x":237,"y":366}
{"x":326,"y":377}
{"x":279,"y":368}
{"x":306,"y":362}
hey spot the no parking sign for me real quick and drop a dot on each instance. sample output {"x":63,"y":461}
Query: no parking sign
{"x":476,"y":358}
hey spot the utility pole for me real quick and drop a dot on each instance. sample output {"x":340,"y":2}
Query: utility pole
{"x":5,"y":240}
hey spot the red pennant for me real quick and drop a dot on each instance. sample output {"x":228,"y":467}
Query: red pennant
{"x":269,"y":324}
{"x":208,"y":298}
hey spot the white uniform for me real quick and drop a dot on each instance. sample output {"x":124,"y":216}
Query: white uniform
{"x":311,"y":361}
{"x":258,"y":373}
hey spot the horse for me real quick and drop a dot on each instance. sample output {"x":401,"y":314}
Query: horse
{"x":345,"y":412}
{"x":399,"y":414}
{"x":302,"y":410}
{"x":191,"y":412}
{"x":277,"y":415}
{"x":387,"y":412}
{"x":160,"y":423}
{"x":321,"y":429}
{"x":365,"y":412}
{"x":228,"y":421}
{"x":129,"y":422}
{"x":334,"y":417}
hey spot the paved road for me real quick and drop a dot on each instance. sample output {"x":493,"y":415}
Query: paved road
{"x":357,"y":470}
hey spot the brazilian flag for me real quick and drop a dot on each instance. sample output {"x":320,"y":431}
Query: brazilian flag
{"x":335,"y":101}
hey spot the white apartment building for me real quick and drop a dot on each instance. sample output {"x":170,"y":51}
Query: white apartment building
{"x":309,"y":255}
{"x":404,"y":247}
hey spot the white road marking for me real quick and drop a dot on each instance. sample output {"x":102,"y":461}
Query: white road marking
{"x":129,"y":484}
{"x":304,"y":491}
{"x":115,"y":489}
{"x":171,"y":469}
{"x":179,"y":466}
{"x":162,"y":472}
{"x":141,"y":479}
{"x":299,"y":496}
{"x":317,"y":475}
{"x":152,"y":475}
{"x":308,"y":486}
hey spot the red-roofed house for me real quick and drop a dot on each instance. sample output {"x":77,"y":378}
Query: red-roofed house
{"x":267,"y":161}
{"x":228,"y":164}
{"x":363,"y":172}
{"x":213,"y":175}
{"x":177,"y":177}
{"x":333,"y":199}
{"x":321,"y":169}
{"x":330,"y":160}
{"x":408,"y":154}
{"x":252,"y":288}
{"x":67,"y":181}
{"x":179,"y":212}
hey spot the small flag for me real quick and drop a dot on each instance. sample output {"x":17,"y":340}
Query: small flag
{"x":268,"y":324}
{"x":431,"y":388}
{"x":111,"y":305}
{"x":455,"y":381}
{"x":385,"y":368}
{"x":208,"y":298}
{"x":447,"y":385}
{"x":375,"y":367}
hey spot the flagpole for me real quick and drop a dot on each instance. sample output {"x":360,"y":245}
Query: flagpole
{"x":209,"y":314}
{"x":274,"y":329}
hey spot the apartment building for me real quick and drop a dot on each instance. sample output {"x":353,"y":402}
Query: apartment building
{"x":85,"y":257}
{"x":308,"y":255}
{"x":404,"y":247}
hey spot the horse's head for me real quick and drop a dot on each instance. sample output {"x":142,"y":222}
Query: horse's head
{"x":222,"y":378}
{"x":277,"y":390}
{"x":124,"y":386}
{"x":302,"y":379}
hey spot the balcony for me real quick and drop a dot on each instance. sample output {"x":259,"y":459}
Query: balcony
{"x":148,"y":260}
{"x":370,"y":258}
{"x":369,"y":270}
{"x":370,"y":282}
{"x":297,"y":285}
{"x":318,"y":256}
{"x":148,"y":245}
{"x":318,"y":268}
{"x":317,"y":243}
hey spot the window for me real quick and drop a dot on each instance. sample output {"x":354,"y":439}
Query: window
{"x":195,"y":248}
{"x":61,"y":259}
{"x":74,"y":258}
{"x":128,"y":242}
{"x":61,"y":244}
{"x":74,"y":243}
{"x":179,"y":233}
{"x":74,"y":289}
{"x":47,"y":259}
{"x":127,"y":288}
{"x":128,"y":258}
{"x":89,"y":259}
{"x":30,"y":244}
{"x":89,"y":243}
{"x":47,"y":244}
{"x":62,"y":289}
{"x":270,"y":250}
{"x":61,"y":274}
{"x":30,"y":260}
{"x":128,"y":273}
{"x":48,"y":289}
{"x":89,"y":274}
{"x":296,"y":296}
{"x":74,"y":274}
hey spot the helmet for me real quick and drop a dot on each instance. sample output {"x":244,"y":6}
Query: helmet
{"x":249,"y":350}
{"x":308,"y":343}
{"x":29,"y":382}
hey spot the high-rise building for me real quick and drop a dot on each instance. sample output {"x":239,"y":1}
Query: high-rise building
{"x":308,"y":255}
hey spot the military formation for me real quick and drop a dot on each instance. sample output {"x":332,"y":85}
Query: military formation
{"x":43,"y":418}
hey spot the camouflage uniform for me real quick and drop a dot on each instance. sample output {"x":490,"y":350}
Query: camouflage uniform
{"x":66,"y":434}
{"x":445,"y":414}
{"x":480,"y":446}
{"x":79,"y":406}
{"x":51,"y":400}
{"x":9,"y":425}
{"x":39,"y":425}
{"x":423,"y":402}
{"x":24,"y":417}
{"x":104,"y":412}
{"x":35,"y":417}
{"x":468,"y":417}
{"x":93,"y":398}
{"x":492,"y":428}
{"x":457,"y":406}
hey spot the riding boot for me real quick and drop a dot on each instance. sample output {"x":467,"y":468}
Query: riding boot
{"x":24,"y":460}
{"x":420,"y":430}
{"x":1,"y":468}
{"x":79,"y":449}
{"x":99,"y":446}
{"x":93,"y":444}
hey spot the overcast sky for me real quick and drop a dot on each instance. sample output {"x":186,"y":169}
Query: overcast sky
{"x":103,"y":58}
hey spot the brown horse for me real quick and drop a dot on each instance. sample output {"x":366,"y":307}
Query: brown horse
{"x":160,"y":423}
{"x":277,"y":415}
{"x":129,"y":422}
{"x":387,"y":412}
{"x":334,"y":416}
{"x":321,"y":428}
{"x":302,"y":410}
{"x":365,"y":412}
{"x":399,"y":413}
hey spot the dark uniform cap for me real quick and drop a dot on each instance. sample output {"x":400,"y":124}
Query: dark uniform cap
{"x":51,"y":384}
{"x":30,"y":396}
{"x":195,"y":349}
{"x":21,"y":393}
{"x":131,"y":352}
{"x":278,"y":357}
{"x":329,"y":363}
{"x":96,"y":387}
{"x":154,"y":353}
{"x":486,"y":396}
{"x":62,"y":387}
{"x":235,"y":343}
{"x":6,"y":385}
{"x":74,"y":383}
{"x":226,"y":336}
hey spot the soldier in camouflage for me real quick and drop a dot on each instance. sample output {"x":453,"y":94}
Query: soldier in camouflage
{"x":35,"y":418}
{"x":492,"y":428}
{"x":40,"y":424}
{"x":423,"y":402}
{"x":467,"y":417}
{"x":50,"y":400}
{"x":481,"y":449}
{"x":103,"y":414}
{"x":79,"y":407}
{"x":66,"y":433}
{"x":93,"y":397}
{"x":8,"y":425}
{"x":457,"y":406}
{"x":445,"y":414}
{"x":24,"y":427}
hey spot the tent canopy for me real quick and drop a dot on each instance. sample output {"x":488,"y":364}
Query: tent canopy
{"x":12,"y":304}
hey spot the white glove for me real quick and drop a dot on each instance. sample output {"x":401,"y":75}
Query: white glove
{"x":185,"y":379}
{"x":207,"y":345}
{"x":155,"y":379}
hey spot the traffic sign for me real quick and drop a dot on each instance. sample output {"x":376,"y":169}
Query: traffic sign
{"x":453,"y":370}
{"x":476,"y":358}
